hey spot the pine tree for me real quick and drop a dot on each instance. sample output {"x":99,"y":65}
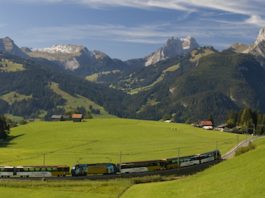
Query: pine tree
{"x":4,"y":127}
{"x":246,"y":119}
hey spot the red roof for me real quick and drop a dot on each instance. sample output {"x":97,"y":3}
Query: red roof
{"x":77,"y":116}
{"x":206,"y":123}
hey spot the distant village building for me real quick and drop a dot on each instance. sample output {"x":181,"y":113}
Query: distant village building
{"x":206,"y":124}
{"x":57,"y":117}
{"x":221,"y":127}
{"x":77,"y":117}
{"x":60,"y":117}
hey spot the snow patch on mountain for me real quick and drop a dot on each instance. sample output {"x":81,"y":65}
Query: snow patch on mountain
{"x":63,"y":49}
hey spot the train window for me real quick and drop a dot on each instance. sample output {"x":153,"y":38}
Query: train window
{"x":66,"y":169}
{"x":8,"y":169}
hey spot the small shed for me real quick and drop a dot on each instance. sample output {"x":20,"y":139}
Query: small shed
{"x":77,"y":117}
{"x":60,"y":117}
{"x":221,"y":127}
{"x":57,"y":117}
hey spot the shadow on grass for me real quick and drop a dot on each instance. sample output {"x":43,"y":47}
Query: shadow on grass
{"x":8,"y":141}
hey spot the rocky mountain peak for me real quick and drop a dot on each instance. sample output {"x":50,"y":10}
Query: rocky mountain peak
{"x":258,"y":49}
{"x":7,"y":45}
{"x":100,"y":55}
{"x":174,"y":47}
{"x":261,"y":36}
{"x":189,"y":42}
{"x":239,"y":48}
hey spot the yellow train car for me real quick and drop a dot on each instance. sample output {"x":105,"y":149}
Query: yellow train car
{"x":93,"y":169}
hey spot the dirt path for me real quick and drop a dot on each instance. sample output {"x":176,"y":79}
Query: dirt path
{"x":244,"y":143}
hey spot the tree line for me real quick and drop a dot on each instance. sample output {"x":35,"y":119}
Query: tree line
{"x":247,"y":121}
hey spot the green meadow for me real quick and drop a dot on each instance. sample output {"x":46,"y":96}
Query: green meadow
{"x":242,"y":176}
{"x":68,"y":189}
{"x":107,"y":140}
{"x":102,"y":140}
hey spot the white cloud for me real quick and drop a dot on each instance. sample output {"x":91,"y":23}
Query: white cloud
{"x":142,"y":4}
{"x":141,"y":34}
{"x":253,"y":9}
{"x":256,"y":20}
{"x":148,"y":34}
{"x":240,"y":6}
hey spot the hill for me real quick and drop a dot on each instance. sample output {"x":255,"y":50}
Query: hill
{"x":108,"y":140}
{"x":218,"y":83}
{"x":182,"y":82}
{"x":242,"y":176}
{"x":28,"y":90}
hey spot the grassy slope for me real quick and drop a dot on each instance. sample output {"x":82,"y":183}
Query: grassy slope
{"x":55,"y":189}
{"x":13,"y":97}
{"x":94,"y":77}
{"x":101,"y":140}
{"x":10,"y":66}
{"x":172,"y":68}
{"x":242,"y":176}
{"x":77,"y":101}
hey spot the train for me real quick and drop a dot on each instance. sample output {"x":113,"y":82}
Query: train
{"x":109,"y":168}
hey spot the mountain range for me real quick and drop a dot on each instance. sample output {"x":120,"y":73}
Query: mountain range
{"x":182,"y":80}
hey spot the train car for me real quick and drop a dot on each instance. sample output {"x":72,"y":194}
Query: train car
{"x":141,"y":166}
{"x":178,"y":162}
{"x":96,"y":169}
{"x":41,"y":171}
{"x":6,"y":171}
{"x":210,"y":156}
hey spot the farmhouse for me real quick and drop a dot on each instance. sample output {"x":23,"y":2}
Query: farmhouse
{"x":206,"y":124}
{"x":77,"y":117}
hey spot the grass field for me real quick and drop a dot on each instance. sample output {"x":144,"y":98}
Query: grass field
{"x":107,"y":140}
{"x":62,"y":189}
{"x":240,"y":177}
{"x":98,"y":140}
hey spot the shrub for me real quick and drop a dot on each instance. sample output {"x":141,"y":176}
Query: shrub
{"x":245,"y":149}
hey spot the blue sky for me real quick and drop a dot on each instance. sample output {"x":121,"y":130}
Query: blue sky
{"x":130,"y":28}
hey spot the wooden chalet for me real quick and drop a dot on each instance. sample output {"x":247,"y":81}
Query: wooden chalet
{"x":77,"y":117}
{"x":206,"y":124}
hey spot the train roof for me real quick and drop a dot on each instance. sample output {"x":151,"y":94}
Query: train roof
{"x":40,"y":166}
{"x":1,"y":166}
{"x":96,"y":164}
{"x":148,"y":161}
